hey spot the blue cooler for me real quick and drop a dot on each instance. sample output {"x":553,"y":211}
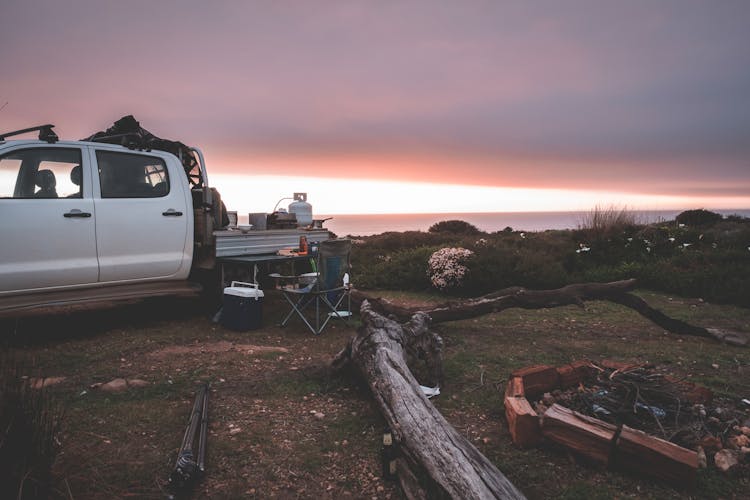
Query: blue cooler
{"x":243,"y":306}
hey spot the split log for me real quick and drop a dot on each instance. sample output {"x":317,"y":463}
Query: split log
{"x":538,"y":379}
{"x":646,"y":455}
{"x":577,"y":294}
{"x":435,"y":461}
{"x":586,"y":436}
{"x":523,"y":422}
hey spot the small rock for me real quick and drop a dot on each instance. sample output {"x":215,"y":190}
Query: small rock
{"x":725,"y":459}
{"x":40,"y":383}
{"x":319,"y":415}
{"x":714,"y":366}
{"x":116,"y":385}
{"x":711,"y":443}
{"x":235,"y":430}
{"x":737,"y":442}
{"x":699,"y":410}
{"x":702,"y":460}
{"x":136,"y":382}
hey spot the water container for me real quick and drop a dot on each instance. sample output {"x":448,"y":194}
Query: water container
{"x":301,"y":209}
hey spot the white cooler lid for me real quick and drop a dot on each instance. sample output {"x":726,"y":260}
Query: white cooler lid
{"x":247,"y":290}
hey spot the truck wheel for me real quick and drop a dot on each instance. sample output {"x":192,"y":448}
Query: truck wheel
{"x":219,"y":210}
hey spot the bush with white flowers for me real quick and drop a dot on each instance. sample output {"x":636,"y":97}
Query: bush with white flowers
{"x":446,"y":268}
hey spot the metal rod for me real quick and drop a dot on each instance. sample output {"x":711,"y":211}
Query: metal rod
{"x":186,"y":470}
{"x":203,"y":433}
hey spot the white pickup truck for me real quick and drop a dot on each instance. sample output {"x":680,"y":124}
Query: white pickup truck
{"x":85,"y":222}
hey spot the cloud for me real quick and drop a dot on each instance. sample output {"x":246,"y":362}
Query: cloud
{"x":587,"y":94}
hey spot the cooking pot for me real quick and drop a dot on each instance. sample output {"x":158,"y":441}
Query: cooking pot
{"x":318,"y":223}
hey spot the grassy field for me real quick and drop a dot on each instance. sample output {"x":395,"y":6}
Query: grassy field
{"x":282,"y":426}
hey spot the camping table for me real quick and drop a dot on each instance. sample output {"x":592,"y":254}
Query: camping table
{"x":253,"y":260}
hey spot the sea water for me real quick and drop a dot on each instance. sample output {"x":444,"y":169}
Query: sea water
{"x":368,"y":224}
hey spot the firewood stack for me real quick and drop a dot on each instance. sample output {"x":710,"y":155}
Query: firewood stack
{"x":627,"y":417}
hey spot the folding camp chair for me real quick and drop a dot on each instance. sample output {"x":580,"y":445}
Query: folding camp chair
{"x":319,"y":301}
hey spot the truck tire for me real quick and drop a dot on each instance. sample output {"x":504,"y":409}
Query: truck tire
{"x":219,"y":210}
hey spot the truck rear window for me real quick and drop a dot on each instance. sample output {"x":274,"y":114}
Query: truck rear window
{"x":125,"y":175}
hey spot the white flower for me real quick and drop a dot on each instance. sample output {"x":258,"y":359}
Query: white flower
{"x":671,"y":240}
{"x":446,"y":267}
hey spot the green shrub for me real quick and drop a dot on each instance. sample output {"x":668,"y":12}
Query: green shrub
{"x":401,"y":270}
{"x":710,"y":262}
{"x":454,"y":226}
{"x":698,"y":217}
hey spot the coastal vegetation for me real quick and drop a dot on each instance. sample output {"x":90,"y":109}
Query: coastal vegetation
{"x":699,"y":254}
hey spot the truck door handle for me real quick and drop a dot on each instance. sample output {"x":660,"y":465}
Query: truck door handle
{"x":172,"y":212}
{"x":76,"y":213}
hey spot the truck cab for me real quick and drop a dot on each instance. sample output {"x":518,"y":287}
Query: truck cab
{"x":81,"y":214}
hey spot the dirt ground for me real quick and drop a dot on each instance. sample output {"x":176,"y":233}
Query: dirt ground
{"x":283,"y":426}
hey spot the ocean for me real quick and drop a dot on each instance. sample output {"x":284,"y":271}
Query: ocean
{"x":368,"y":224}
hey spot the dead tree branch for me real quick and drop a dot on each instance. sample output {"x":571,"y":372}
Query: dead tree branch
{"x":616,"y":291}
{"x":435,"y":461}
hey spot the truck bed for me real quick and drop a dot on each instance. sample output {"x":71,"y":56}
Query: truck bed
{"x":237,"y":243}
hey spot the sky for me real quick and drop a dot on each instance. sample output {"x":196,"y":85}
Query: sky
{"x":407,"y":106}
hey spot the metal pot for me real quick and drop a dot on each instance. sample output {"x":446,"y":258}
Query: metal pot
{"x":318,"y":223}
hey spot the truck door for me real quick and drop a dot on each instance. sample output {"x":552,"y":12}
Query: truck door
{"x":141,"y":217}
{"x":46,"y":219}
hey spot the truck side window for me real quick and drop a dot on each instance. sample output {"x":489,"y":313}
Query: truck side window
{"x":125,"y":175}
{"x":41,"y":173}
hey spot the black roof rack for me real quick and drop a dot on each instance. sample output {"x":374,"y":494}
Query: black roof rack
{"x":45,"y":133}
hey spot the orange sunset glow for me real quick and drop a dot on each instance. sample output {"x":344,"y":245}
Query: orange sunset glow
{"x":416,"y":107}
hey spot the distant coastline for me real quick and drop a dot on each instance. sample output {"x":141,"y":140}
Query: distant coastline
{"x":368,"y":224}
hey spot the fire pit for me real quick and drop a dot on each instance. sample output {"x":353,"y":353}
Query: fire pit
{"x":625,"y":416}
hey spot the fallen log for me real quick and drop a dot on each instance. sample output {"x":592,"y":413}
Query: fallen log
{"x":434,"y":460}
{"x":575,"y":294}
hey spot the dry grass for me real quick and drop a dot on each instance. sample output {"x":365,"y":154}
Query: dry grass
{"x":605,"y":221}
